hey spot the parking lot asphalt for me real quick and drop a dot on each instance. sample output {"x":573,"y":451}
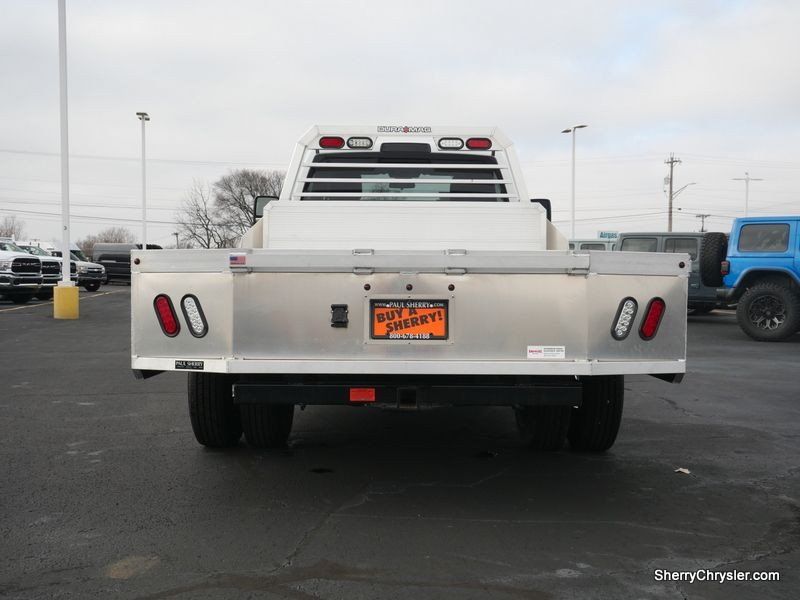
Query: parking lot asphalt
{"x":106,"y":494}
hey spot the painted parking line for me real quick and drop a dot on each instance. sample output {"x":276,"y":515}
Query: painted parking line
{"x":2,"y":310}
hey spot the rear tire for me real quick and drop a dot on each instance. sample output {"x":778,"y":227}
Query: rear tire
{"x":713,"y":250}
{"x":769,"y":312}
{"x":21,"y":298}
{"x":214,"y":416}
{"x":595,"y":424}
{"x":543,"y":427}
{"x":267,"y":426}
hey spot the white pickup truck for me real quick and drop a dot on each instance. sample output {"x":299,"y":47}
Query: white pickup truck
{"x":407,"y":267}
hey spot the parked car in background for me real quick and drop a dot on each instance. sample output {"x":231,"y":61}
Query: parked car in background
{"x":592,"y":244}
{"x":51,"y":269}
{"x":116,"y":259}
{"x":90,"y":275}
{"x":702,"y":298}
{"x":51,"y":247}
{"x":20,"y":273}
{"x":758,"y":266}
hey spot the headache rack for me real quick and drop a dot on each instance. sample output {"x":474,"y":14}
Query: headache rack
{"x":404,"y":163}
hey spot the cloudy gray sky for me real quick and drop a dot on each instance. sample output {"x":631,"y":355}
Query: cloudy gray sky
{"x":235,"y":84}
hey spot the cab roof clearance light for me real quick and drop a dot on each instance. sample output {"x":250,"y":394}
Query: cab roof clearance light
{"x":165,"y":313}
{"x":623,"y":321}
{"x":451,"y":143}
{"x":652,"y":319}
{"x":359,"y":142}
{"x":479,"y":143}
{"x":193,"y":312}
{"x":331,"y":142}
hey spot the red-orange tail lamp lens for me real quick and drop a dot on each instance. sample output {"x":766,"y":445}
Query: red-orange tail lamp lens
{"x":165,"y":313}
{"x":652,"y":319}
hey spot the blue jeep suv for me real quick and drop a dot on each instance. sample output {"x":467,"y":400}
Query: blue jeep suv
{"x":758,"y":266}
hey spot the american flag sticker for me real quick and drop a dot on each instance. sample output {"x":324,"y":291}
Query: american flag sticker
{"x":237,"y":260}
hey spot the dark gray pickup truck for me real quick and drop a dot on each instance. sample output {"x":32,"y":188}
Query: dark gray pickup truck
{"x":702,"y":298}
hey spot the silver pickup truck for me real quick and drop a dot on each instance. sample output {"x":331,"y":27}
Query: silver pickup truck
{"x":407,"y":267}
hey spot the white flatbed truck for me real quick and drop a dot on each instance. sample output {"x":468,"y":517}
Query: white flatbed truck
{"x":407,"y":267}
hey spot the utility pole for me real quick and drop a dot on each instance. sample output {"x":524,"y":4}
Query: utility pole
{"x":177,"y":242}
{"x":747,"y":179}
{"x":702,"y":222}
{"x":671,"y":161}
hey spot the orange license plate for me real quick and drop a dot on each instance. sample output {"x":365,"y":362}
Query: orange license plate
{"x":408,"y":319}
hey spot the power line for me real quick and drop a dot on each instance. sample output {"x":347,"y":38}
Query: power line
{"x":137,"y":159}
{"x":46,"y":215}
{"x":58,"y":181}
{"x":84,"y":205}
{"x":775,"y":164}
{"x":612,"y":218}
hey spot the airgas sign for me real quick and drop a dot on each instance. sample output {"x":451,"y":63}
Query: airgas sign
{"x":608,"y":235}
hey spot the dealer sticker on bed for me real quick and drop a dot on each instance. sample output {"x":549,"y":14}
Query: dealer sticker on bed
{"x":190,"y":365}
{"x":546,"y":352}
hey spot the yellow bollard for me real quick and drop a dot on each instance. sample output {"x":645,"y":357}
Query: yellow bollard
{"x":65,"y":302}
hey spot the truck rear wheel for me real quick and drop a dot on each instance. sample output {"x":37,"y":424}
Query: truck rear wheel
{"x":543,"y":427}
{"x":214,"y":416}
{"x":769,"y":312}
{"x":713,"y":250}
{"x":595,"y":424}
{"x":267,"y":426}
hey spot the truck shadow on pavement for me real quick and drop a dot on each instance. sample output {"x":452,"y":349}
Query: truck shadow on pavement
{"x":456,"y":486}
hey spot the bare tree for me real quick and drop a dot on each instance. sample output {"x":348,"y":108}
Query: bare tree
{"x":217,"y":216}
{"x":234,"y":194}
{"x":12,"y":227}
{"x":118,"y":235}
{"x":198,"y":223}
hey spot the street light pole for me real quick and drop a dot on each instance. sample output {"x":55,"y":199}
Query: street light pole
{"x":144,"y":117}
{"x":747,"y":179}
{"x":572,"y":215}
{"x":65,"y":294}
{"x":177,"y":241}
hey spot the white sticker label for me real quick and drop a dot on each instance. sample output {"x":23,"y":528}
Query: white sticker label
{"x":544,"y":352}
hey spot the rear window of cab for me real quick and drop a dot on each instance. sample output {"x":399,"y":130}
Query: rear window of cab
{"x":764,"y":237}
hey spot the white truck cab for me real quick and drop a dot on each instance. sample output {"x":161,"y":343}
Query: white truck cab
{"x":20,"y":273}
{"x":51,"y":268}
{"x":407,"y":267}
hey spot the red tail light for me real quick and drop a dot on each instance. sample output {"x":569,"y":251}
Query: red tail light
{"x":725,"y":267}
{"x":479,"y":143}
{"x":362,"y":394}
{"x":331,"y":142}
{"x":652,"y":318}
{"x":166,"y":315}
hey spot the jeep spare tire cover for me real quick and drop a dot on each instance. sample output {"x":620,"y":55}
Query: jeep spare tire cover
{"x":713,"y":251}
